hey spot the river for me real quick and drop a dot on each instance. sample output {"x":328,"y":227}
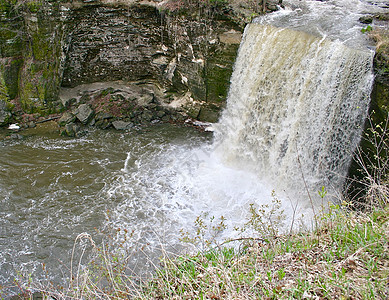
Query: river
{"x":156,"y":180}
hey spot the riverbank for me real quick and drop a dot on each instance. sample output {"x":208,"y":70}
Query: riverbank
{"x":345,"y":257}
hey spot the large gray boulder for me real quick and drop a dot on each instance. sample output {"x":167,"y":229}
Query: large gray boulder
{"x":84,"y":113}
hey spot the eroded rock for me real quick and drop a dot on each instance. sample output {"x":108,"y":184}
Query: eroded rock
{"x":84,"y":113}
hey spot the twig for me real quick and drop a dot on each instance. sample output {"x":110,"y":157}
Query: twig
{"x":47,"y":120}
{"x":309,"y":195}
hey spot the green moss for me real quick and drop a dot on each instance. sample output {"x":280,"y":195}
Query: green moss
{"x":11,"y":76}
{"x":3,"y":87}
{"x":5,"y":106}
{"x":39,"y":77}
{"x":10,"y":37}
{"x":34,"y":6}
{"x":218,"y":73}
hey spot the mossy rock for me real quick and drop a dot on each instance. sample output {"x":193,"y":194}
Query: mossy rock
{"x":5,"y":114}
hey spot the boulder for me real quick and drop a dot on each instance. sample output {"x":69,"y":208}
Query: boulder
{"x":84,"y":113}
{"x":70,"y":130}
{"x":66,"y":118}
{"x":122,"y":125}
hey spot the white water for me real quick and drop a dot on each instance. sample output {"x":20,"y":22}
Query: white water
{"x":295,"y":111}
{"x":296,"y":108}
{"x":293,"y":95}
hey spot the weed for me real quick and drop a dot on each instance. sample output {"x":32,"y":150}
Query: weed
{"x":368,"y":28}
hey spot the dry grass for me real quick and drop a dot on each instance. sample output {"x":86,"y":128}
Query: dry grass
{"x":345,"y":257}
{"x":348,"y":257}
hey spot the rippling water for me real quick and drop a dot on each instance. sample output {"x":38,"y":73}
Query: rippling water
{"x":53,"y":189}
{"x":154,"y":181}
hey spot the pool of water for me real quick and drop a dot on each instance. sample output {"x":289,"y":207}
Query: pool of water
{"x":53,"y":188}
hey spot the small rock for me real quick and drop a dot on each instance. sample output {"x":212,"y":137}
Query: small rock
{"x":70,"y":130}
{"x":66,"y":118}
{"x":165,"y":118}
{"x":103,"y":116}
{"x":68,"y":102}
{"x":146,"y":116}
{"x":103,"y":124}
{"x":122,"y":125}
{"x":16,"y":136}
{"x":146,"y":99}
{"x":31,"y":124}
{"x":366,"y":19}
{"x":4,"y":113}
{"x":81,"y":133}
{"x":160,"y":114}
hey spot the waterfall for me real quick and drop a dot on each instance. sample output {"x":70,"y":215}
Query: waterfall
{"x":295,"y":109}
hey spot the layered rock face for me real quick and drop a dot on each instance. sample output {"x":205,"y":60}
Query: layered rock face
{"x":189,"y":60}
{"x":53,"y":53}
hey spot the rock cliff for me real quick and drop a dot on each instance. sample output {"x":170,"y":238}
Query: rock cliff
{"x":114,"y":54}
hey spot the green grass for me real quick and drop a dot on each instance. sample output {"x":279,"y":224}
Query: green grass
{"x":346,"y":258}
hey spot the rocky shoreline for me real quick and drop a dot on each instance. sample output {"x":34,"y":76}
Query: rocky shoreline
{"x":113,"y":64}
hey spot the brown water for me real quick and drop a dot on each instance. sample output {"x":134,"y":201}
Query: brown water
{"x":54,"y":188}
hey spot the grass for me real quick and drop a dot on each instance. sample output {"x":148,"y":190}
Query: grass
{"x":346,"y":258}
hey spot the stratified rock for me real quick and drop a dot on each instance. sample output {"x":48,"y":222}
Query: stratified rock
{"x":84,"y":113}
{"x":52,"y":45}
{"x":66,"y":118}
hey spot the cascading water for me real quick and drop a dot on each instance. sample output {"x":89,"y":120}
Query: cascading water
{"x":298,"y":97}
{"x":295,"y":109}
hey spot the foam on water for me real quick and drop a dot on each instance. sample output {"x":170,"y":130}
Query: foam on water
{"x":296,"y":107}
{"x":166,"y":192}
{"x":335,"y":19}
{"x":294,"y":95}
